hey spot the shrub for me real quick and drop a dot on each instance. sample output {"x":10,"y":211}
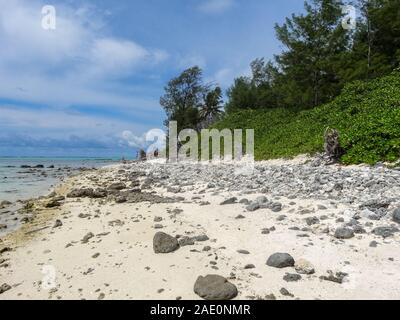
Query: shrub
{"x":367,"y":115}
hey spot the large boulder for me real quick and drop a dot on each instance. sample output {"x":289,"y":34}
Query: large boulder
{"x":164,"y":243}
{"x":280,"y":260}
{"x":215,"y":287}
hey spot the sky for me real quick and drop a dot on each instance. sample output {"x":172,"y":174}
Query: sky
{"x":91,"y":87}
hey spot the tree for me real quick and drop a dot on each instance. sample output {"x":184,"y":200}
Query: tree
{"x":375,"y":51}
{"x":211,"y":108}
{"x":182,"y":98}
{"x":314,"y":43}
{"x":320,"y":56}
{"x":307,"y":72}
{"x":256,"y":91}
{"x":189,"y":101}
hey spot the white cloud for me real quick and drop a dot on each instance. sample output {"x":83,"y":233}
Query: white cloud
{"x":55,"y":123}
{"x":150,"y":141}
{"x":216,"y":6}
{"x":73,"y":64}
{"x":134,"y":140}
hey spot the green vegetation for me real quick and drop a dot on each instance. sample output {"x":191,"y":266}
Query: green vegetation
{"x":367,"y":114}
{"x":327,"y":76}
{"x":320,"y":56}
{"x":190,"y":102}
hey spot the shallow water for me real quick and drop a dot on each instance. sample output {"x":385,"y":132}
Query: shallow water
{"x":22,"y":179}
{"x":20,"y":183}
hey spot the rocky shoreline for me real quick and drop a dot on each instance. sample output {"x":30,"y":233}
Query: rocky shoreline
{"x":26,"y":182}
{"x":288,"y":229}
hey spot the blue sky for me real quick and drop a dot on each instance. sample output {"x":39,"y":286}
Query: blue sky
{"x":91,"y":87}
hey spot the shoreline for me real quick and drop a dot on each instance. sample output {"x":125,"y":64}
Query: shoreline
{"x":30,"y":180}
{"x":117,"y":261}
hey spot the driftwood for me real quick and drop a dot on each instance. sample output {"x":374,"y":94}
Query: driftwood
{"x":332,"y":147}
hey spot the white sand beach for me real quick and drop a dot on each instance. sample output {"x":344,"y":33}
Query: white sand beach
{"x":117,"y":260}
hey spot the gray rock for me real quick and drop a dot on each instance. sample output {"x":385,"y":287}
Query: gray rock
{"x":373,"y":244}
{"x":359,"y":230}
{"x":186,"y":241}
{"x":4,"y":287}
{"x":201,"y":238}
{"x":280,"y":260}
{"x":249,"y":266}
{"x":291,"y":277}
{"x":243,"y":252}
{"x":253,"y":206}
{"x":117,"y":186}
{"x":262,"y":200}
{"x":396,"y":215}
{"x":229,"y":201}
{"x":312,"y":220}
{"x":58,"y":224}
{"x":164,"y":243}
{"x":98,"y":194}
{"x":87,"y":237}
{"x":368,"y":214}
{"x":276,"y":207}
{"x":338,"y":277}
{"x":5,"y":203}
{"x":385,"y":232}
{"x":120,"y":199}
{"x":52,"y":204}
{"x":285,"y":292}
{"x":215,"y":287}
{"x":80,"y":193}
{"x":344,"y":233}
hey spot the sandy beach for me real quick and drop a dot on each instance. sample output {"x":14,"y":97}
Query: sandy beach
{"x":93,"y":238}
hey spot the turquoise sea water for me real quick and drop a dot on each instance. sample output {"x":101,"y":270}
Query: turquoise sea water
{"x":25,"y":178}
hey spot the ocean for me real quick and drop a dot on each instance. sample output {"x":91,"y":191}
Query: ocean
{"x":25,"y":178}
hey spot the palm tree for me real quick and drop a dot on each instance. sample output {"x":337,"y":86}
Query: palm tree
{"x":211,"y":108}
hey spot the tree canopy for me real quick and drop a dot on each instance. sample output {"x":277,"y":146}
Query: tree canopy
{"x":320,"y":56}
{"x":191,"y":102}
